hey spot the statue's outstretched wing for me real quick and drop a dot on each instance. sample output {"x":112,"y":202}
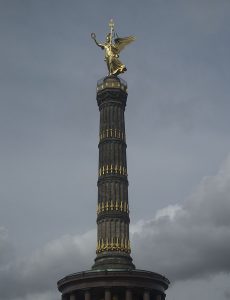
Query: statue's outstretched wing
{"x":120,"y":43}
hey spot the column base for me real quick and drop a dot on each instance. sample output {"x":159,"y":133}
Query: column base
{"x":113,"y":261}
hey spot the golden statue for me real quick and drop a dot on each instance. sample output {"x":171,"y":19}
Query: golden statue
{"x":113,"y":47}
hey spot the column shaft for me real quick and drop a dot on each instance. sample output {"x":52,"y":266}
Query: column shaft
{"x":107,"y":294}
{"x":128,"y":294}
{"x":87,"y":295}
{"x":72,"y":297}
{"x":112,"y":209}
{"x":146,"y":295}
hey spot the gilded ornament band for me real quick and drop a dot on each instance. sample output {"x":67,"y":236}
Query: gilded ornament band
{"x":116,"y":244}
{"x":112,"y":169}
{"x":112,"y":133}
{"x":113,"y":206}
{"x":113,"y":85}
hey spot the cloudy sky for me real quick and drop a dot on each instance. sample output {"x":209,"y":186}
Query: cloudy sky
{"x":177,"y":123}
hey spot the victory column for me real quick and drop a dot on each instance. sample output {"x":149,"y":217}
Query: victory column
{"x":113,"y":275}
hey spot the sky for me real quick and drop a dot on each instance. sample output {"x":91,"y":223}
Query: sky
{"x":177,"y":126}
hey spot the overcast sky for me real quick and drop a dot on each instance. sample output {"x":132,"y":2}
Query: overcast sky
{"x":177,"y":123}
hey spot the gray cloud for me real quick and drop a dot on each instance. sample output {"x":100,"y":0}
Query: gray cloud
{"x":189,"y":240}
{"x":211,"y":287}
{"x":48,"y":295}
{"x":183,"y":242}
{"x":227,"y":294}
{"x":6,"y":248}
{"x":39,"y":272}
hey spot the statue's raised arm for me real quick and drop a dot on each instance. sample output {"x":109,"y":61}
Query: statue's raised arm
{"x":113,"y":46}
{"x":93,"y":36}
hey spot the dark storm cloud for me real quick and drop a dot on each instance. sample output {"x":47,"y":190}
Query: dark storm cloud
{"x":38,"y":273}
{"x":182,"y":241}
{"x":190,"y":240}
{"x":212,"y":287}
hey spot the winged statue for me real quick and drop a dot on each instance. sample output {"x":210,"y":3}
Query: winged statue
{"x":112,"y":47}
